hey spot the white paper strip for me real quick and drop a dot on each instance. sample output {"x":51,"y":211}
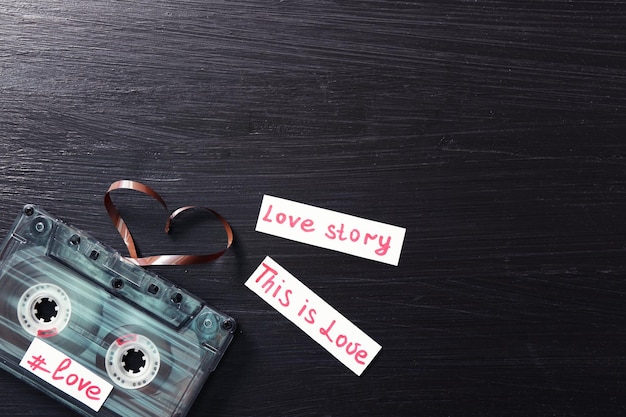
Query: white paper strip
{"x":314,"y":316}
{"x":64,"y":373}
{"x":331,"y":230}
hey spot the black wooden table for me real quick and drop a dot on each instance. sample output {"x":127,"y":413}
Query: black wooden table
{"x":492,"y":131}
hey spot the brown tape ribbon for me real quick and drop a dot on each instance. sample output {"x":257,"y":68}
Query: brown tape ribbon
{"x":123,"y":230}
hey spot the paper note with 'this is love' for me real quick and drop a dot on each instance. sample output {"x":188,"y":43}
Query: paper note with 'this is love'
{"x":314,"y":316}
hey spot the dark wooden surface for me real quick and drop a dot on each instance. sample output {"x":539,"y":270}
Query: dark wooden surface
{"x":492,"y":130}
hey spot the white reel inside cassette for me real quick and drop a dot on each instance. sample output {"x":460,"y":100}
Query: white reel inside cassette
{"x":132,"y":361}
{"x":44,"y":310}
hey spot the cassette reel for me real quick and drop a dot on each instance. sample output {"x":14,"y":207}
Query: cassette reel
{"x":152,"y":343}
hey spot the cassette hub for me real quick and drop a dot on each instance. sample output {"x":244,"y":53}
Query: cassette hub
{"x":133,"y":361}
{"x":44,"y":310}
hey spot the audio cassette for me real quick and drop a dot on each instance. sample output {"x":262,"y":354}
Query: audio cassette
{"x":97,"y":332}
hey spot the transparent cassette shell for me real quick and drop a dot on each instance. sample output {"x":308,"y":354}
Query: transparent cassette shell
{"x":155,"y":342}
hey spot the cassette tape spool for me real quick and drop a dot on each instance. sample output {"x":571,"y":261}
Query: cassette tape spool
{"x":154,"y":342}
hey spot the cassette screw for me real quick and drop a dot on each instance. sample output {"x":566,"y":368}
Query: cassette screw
{"x":177,"y":298}
{"x":117,"y":283}
{"x":29,"y":210}
{"x":227,"y":324}
{"x":40,"y":227}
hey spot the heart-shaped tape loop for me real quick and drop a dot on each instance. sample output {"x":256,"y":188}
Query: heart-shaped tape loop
{"x":123,"y":230}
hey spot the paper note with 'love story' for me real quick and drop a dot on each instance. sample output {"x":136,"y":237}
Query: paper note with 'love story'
{"x":331,"y":230}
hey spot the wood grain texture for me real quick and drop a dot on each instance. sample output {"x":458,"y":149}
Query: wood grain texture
{"x":491,"y":130}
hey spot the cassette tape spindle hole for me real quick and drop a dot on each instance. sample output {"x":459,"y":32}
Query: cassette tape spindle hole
{"x":46,"y":309}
